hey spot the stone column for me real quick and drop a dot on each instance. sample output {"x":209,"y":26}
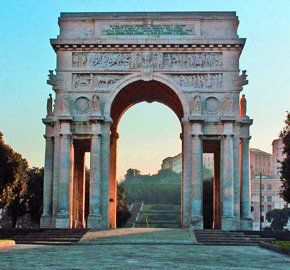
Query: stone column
{"x":246,"y":221}
{"x":63,"y":217}
{"x":79,"y":188}
{"x":47,"y":186}
{"x":94,"y":218}
{"x":186,"y":179}
{"x":228,"y":222}
{"x":105,"y":174}
{"x":113,"y":181}
{"x":196,"y":183}
{"x":237,"y":179}
{"x":56,"y":163}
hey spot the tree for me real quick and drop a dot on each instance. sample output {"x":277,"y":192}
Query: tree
{"x":34,"y":196}
{"x":13,"y":181}
{"x":131,"y":173}
{"x":123,"y":212}
{"x":278,"y":218}
{"x":285,"y":163}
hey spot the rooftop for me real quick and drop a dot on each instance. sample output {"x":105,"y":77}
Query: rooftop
{"x":259,"y":152}
{"x":231,"y":15}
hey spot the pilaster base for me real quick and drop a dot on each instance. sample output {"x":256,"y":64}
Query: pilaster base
{"x":196,"y":222}
{"x":62,"y":221}
{"x":46,"y":221}
{"x":94,"y":221}
{"x":246,"y":224}
{"x":228,"y":223}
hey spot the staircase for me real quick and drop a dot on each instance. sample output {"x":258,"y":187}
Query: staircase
{"x":43,"y":236}
{"x":135,"y":210}
{"x":227,"y":238}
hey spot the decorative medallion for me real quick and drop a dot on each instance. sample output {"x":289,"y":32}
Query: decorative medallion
{"x":212,"y":105}
{"x":82,"y":105}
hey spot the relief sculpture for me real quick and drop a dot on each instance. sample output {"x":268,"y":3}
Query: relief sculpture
{"x":160,"y":60}
{"x":200,"y":81}
{"x":94,"y":81}
{"x":101,"y":60}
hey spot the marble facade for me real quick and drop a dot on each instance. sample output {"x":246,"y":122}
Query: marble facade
{"x":106,"y":62}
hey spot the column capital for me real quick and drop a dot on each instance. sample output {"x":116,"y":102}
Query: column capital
{"x":96,"y":135}
{"x":228,"y":136}
{"x":197,"y":136}
{"x":48,"y":137}
{"x":246,"y":138}
{"x":65,"y":135}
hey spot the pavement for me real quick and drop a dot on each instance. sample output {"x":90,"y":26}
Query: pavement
{"x":140,"y":256}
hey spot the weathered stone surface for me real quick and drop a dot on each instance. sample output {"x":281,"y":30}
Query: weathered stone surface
{"x":108,"y":61}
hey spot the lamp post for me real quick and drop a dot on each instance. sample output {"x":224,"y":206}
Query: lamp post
{"x":260,"y":201}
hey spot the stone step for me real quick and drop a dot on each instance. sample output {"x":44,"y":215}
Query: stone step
{"x":44,"y":243}
{"x":44,"y":236}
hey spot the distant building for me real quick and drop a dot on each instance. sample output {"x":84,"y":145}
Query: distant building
{"x":270,"y":200}
{"x":277,"y":154}
{"x":208,"y":161}
{"x":260,"y":161}
{"x":175,"y":163}
{"x":172,"y":163}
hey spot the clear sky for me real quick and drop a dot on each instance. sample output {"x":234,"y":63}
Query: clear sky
{"x":26,"y":57}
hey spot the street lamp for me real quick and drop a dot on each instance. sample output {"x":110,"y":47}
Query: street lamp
{"x":260,"y":201}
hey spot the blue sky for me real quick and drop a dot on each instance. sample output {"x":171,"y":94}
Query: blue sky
{"x":26,"y":57}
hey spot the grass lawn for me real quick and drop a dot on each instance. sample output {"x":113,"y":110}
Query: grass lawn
{"x":160,"y":220}
{"x":285,"y":244}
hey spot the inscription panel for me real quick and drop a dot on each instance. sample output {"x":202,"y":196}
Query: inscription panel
{"x":145,"y":30}
{"x":134,"y":60}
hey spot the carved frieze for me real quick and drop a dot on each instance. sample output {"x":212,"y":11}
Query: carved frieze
{"x":85,"y":81}
{"x":192,"y":60}
{"x":135,"y":60}
{"x":210,"y":81}
{"x":112,"y":61}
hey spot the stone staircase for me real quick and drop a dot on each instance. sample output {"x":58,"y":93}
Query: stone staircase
{"x":135,"y":210}
{"x":227,"y":238}
{"x":43,"y":236}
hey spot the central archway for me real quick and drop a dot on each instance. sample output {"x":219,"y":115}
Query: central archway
{"x":133,"y":93}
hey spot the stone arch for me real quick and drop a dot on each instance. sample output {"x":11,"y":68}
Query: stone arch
{"x":131,"y":91}
{"x":137,"y":77}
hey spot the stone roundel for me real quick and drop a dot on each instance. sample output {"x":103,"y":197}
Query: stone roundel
{"x":82,"y":104}
{"x":211,"y":105}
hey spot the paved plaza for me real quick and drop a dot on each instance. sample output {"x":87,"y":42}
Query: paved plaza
{"x":163,"y":249}
{"x":144,"y":256}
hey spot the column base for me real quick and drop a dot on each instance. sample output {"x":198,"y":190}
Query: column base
{"x":46,"y":222}
{"x":246,"y":224}
{"x":62,"y":221}
{"x":196,"y":222}
{"x":94,"y":221}
{"x":228,"y":224}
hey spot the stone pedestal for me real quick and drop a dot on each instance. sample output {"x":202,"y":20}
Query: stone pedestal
{"x":94,"y":221}
{"x":246,"y":224}
{"x":62,"y":221}
{"x":228,"y":223}
{"x":46,"y":222}
{"x":196,"y":222}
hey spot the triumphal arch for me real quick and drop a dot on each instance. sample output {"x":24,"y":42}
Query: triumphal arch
{"x":107,"y":62}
